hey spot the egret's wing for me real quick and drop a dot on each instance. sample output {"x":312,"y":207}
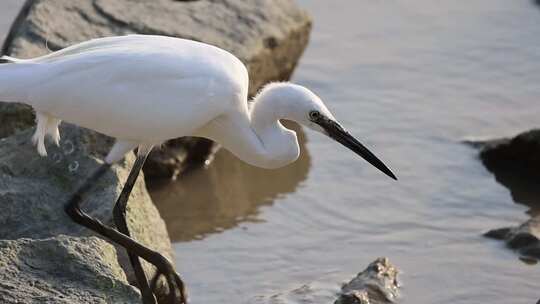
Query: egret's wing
{"x":133,"y":96}
{"x":127,"y":43}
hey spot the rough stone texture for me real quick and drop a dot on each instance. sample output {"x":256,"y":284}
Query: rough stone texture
{"x":33,"y":190}
{"x":267,"y":35}
{"x":525,"y":238}
{"x":62,"y":270}
{"x":377,"y":284}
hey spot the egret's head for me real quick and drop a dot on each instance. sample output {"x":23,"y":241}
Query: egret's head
{"x":305,"y":107}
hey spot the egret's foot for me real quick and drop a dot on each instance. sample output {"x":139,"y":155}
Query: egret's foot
{"x":175,"y":285}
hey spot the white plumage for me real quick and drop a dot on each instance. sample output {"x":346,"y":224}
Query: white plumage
{"x":144,"y":90}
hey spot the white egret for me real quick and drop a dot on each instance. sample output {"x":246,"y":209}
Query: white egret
{"x":143,"y":90}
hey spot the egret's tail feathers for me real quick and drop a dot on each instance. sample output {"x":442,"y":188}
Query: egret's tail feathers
{"x":10,"y":59}
{"x":45,"y":125}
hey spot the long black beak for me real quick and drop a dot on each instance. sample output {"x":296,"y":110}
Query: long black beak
{"x":335,"y":131}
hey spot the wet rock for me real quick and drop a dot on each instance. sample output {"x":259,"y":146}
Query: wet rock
{"x":267,"y":35}
{"x":525,"y":238}
{"x":515,"y":162}
{"x":34,"y":189}
{"x":520,"y":153}
{"x":62,"y":270}
{"x":377,"y":284}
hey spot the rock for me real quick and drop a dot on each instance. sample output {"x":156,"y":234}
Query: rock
{"x":34,"y":190}
{"x":62,"y":270}
{"x":267,"y":35}
{"x":519,"y":153}
{"x":515,"y":162}
{"x":525,"y":238}
{"x":377,"y":284}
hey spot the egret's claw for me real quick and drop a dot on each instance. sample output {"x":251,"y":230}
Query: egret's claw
{"x":175,"y":285}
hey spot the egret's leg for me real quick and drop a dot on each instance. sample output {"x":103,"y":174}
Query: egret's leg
{"x":73,"y":209}
{"x":119,"y":215}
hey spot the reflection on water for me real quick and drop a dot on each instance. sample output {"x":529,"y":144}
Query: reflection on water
{"x":410,"y":79}
{"x":226,"y":193}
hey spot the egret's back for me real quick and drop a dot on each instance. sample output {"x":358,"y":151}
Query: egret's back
{"x":139,"y":87}
{"x":15,"y":77}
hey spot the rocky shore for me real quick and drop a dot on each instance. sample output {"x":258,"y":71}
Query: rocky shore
{"x":44,"y":257}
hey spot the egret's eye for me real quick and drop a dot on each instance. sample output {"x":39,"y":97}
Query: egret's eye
{"x":314,"y":115}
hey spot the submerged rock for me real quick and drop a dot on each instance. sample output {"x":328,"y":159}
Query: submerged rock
{"x":62,"y":270}
{"x":515,"y":162}
{"x":377,"y":284}
{"x":525,"y":238}
{"x":269,"y":36}
{"x":34,"y":189}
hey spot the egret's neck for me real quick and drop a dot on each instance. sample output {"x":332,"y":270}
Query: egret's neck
{"x":279,"y":143}
{"x":256,"y":137}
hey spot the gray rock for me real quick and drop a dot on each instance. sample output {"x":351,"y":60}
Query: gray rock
{"x":520,"y":153}
{"x":515,"y":162}
{"x":34,"y":189}
{"x":377,"y":284}
{"x":267,"y":35}
{"x":525,"y":238}
{"x":62,"y":270}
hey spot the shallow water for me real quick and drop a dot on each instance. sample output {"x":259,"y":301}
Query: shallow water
{"x":411,"y":79}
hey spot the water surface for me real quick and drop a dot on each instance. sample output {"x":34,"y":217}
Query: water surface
{"x":411,"y":79}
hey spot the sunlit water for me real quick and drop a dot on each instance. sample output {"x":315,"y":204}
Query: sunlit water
{"x":411,"y":79}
